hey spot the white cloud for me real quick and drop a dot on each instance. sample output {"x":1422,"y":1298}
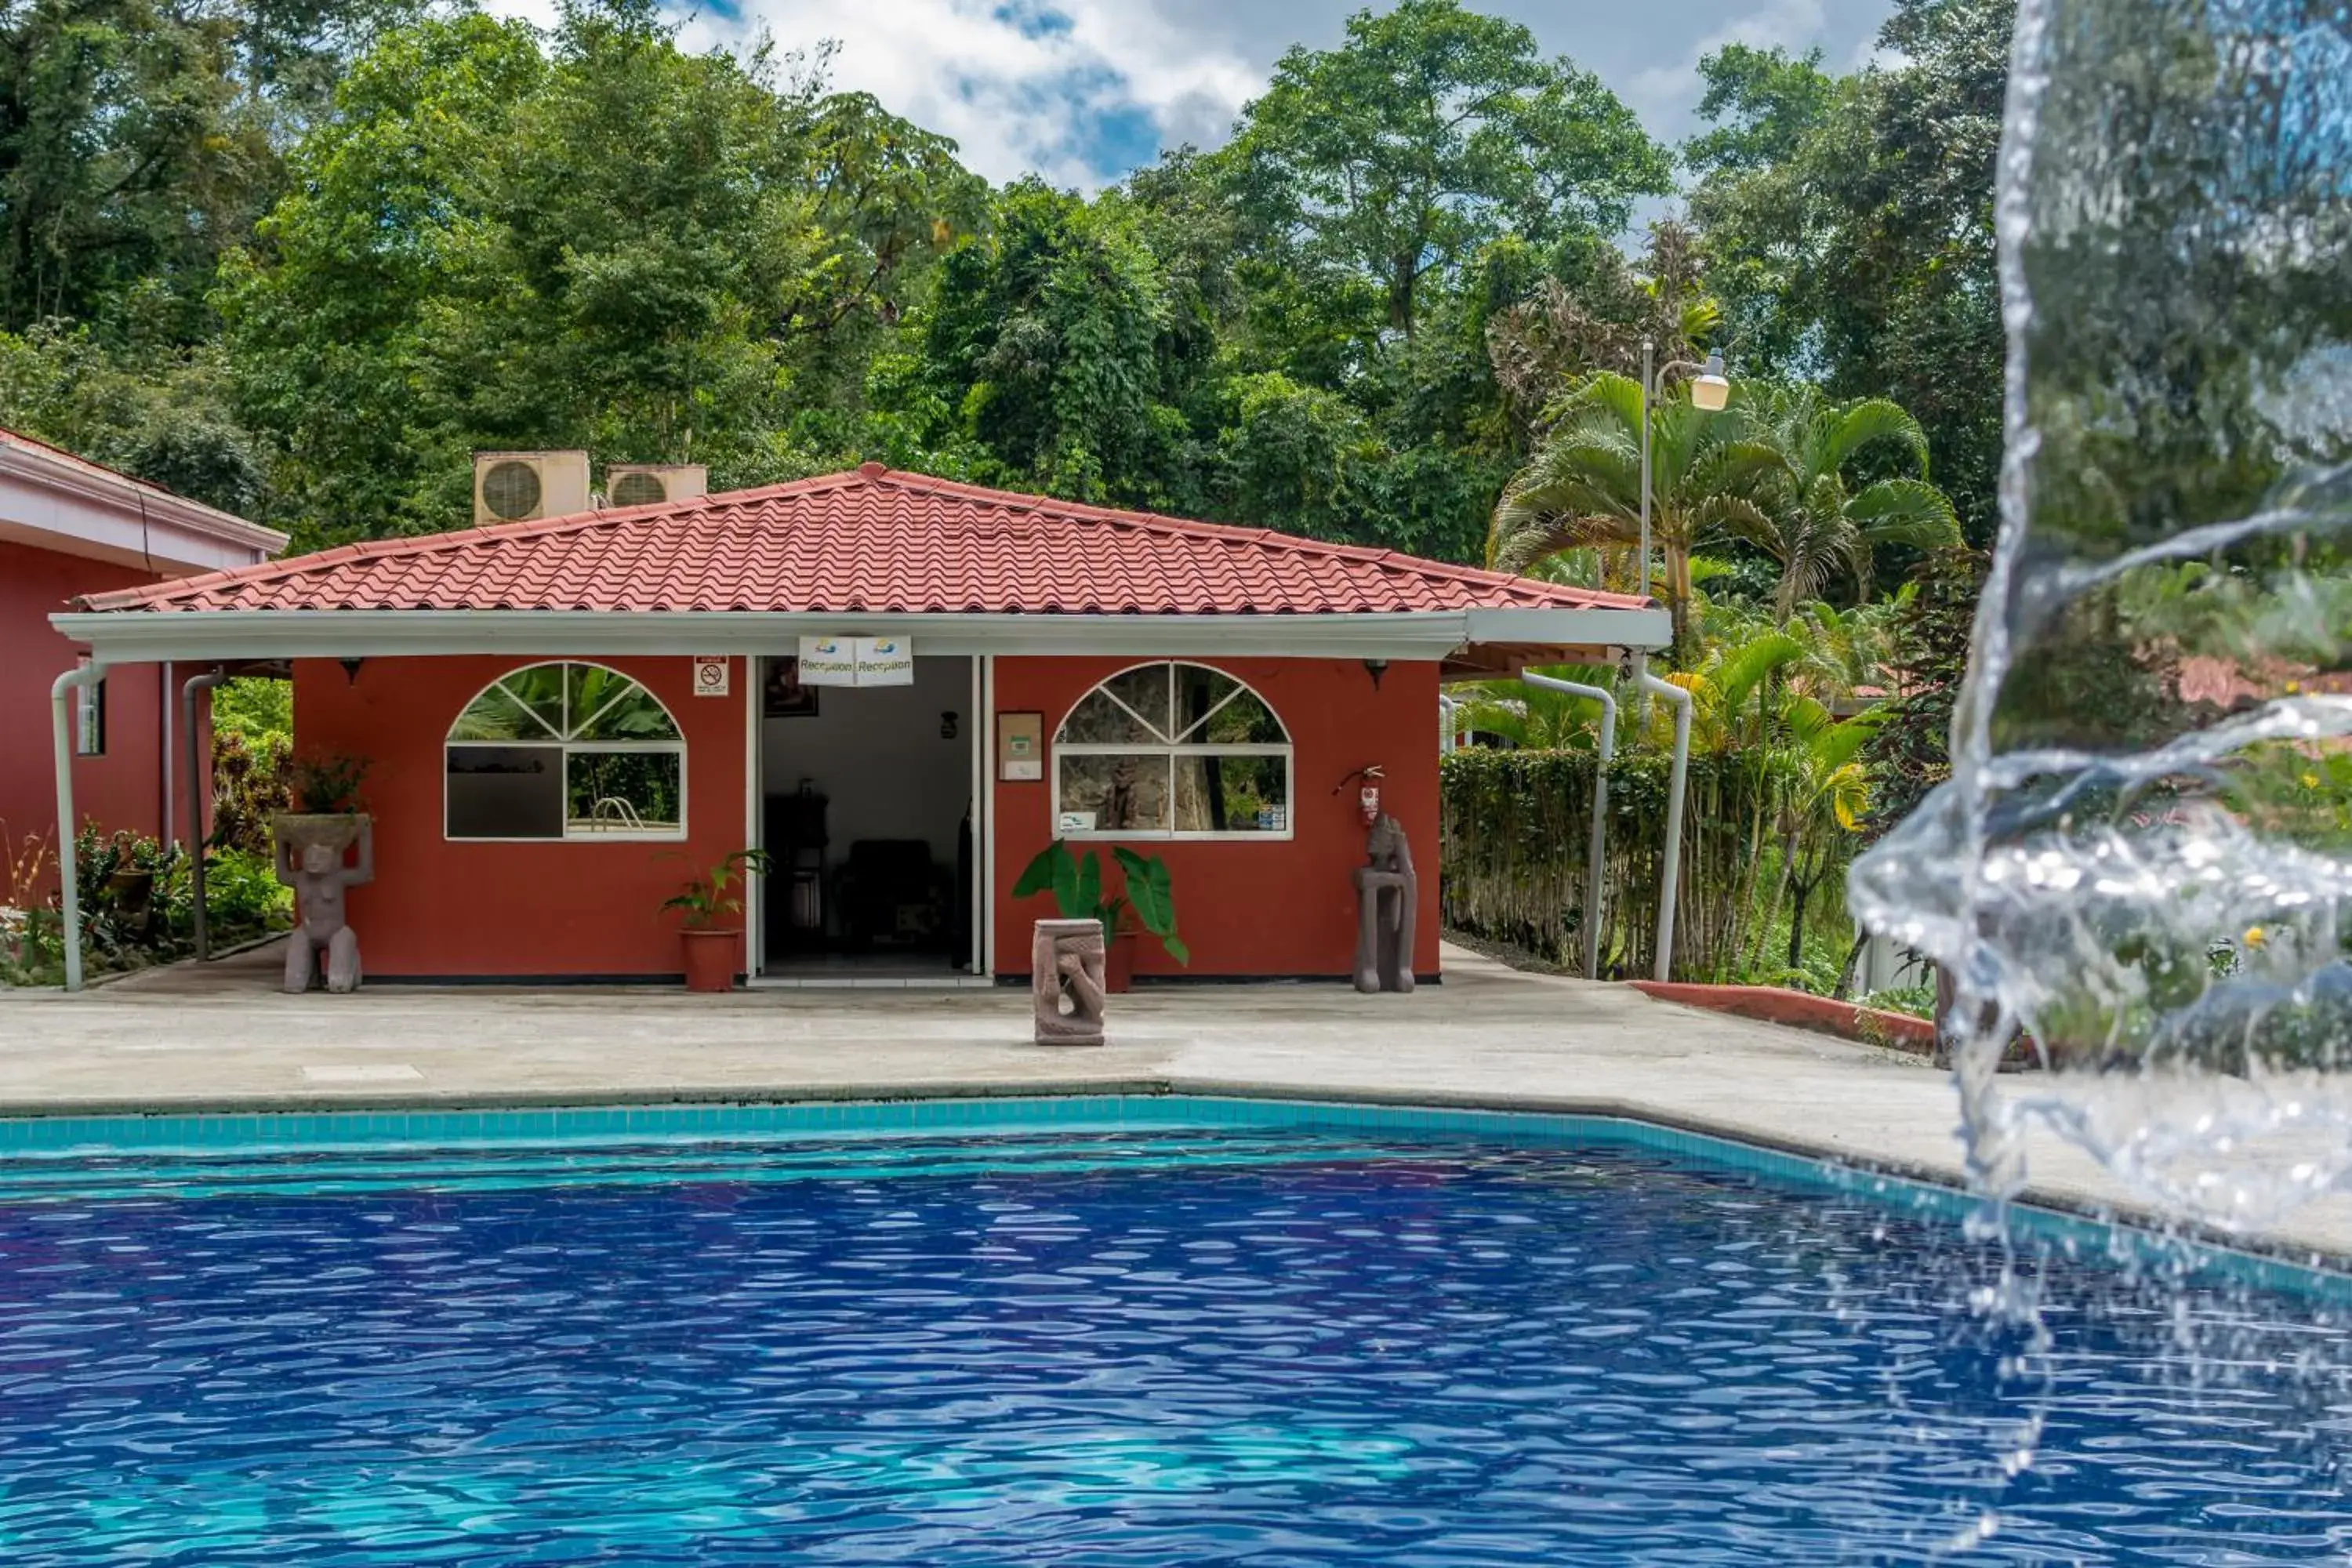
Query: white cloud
{"x":1060,"y":88}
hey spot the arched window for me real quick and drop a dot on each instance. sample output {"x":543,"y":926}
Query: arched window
{"x":1171,"y":751}
{"x":565,"y":750}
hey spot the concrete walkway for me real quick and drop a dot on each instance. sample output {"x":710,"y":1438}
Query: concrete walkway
{"x":221,"y":1037}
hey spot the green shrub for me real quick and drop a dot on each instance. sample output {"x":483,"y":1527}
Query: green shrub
{"x":1515,"y":827}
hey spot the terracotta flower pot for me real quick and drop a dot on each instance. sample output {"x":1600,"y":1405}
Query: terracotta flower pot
{"x":709,"y":958}
{"x":1118,"y":963}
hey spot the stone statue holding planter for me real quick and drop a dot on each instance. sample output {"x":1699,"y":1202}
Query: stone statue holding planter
{"x":312,"y":860}
{"x":314,"y":857}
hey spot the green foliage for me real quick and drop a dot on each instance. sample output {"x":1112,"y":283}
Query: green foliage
{"x":300,"y":260}
{"x":707,"y":896}
{"x":1918,"y":1001}
{"x":255,"y":709}
{"x":1910,"y":752}
{"x":137,"y":900}
{"x":1762,"y":103}
{"x":1148,"y":894}
{"x":1077,"y":883}
{"x":1820,"y":514}
{"x":249,"y":787}
{"x":593,"y":240}
{"x":1513,"y":830}
{"x":325,"y":782}
{"x":1847,"y":226}
{"x":1383,"y":167}
{"x":155,"y":412}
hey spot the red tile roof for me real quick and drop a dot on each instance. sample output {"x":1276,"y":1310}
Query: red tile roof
{"x":870,"y":542}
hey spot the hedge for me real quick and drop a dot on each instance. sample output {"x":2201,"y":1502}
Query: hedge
{"x":1514,"y":827}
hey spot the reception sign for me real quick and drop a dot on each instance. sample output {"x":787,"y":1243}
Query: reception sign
{"x":857,"y":661}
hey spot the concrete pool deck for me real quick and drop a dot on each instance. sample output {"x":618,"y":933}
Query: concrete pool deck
{"x":220,"y":1037}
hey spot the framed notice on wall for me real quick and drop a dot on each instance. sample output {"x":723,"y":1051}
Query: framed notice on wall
{"x":1019,"y":747}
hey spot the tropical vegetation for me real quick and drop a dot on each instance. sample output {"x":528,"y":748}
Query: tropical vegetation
{"x":299,"y":260}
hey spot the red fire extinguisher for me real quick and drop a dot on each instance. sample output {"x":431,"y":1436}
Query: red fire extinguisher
{"x":1368,"y":796}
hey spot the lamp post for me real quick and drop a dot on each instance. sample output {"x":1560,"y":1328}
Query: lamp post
{"x":1711,"y":394}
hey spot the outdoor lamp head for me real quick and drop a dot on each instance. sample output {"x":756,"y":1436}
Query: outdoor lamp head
{"x":1711,"y":389}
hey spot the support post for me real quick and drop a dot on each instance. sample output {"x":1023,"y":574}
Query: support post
{"x":199,"y":790}
{"x":61,"y":701}
{"x":1596,"y":844}
{"x":1671,"y":879}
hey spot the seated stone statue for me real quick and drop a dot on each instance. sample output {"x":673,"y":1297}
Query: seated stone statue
{"x":319,"y":879}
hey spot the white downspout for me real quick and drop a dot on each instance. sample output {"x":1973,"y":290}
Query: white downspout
{"x":1596,"y":846}
{"x":1670,"y":881}
{"x":199,"y":791}
{"x":62,"y":692}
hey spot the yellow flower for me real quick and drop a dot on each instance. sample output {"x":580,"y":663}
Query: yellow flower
{"x":2311,"y":781}
{"x":2255,"y":936}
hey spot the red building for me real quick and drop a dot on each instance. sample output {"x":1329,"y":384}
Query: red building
{"x":69,"y":529}
{"x":564,"y":717}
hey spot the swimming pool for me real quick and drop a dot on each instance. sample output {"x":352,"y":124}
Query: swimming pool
{"x":1131,"y":1332}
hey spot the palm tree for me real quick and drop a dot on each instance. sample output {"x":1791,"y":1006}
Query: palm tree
{"x":1809,"y":514}
{"x":1582,"y":489}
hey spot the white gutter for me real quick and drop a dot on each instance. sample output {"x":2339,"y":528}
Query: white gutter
{"x":1669,"y":880}
{"x":199,"y":792}
{"x":1597,"y":842}
{"x":62,"y":692}
{"x":132,"y":636}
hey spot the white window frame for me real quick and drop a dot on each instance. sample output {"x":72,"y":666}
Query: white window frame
{"x":563,"y":746}
{"x":1168,"y":750}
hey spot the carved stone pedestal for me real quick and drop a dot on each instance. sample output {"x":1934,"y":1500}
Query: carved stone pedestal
{"x":1387,"y":896}
{"x":1066,"y":980}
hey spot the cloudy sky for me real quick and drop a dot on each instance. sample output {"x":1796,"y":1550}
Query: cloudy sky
{"x":1083,"y":90}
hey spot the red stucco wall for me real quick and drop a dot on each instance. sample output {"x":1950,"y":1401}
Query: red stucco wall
{"x":1277,"y":908}
{"x":561,"y":908}
{"x":124,"y":787}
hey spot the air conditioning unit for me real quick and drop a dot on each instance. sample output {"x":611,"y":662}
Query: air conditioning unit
{"x":517,"y":487}
{"x":643,"y":484}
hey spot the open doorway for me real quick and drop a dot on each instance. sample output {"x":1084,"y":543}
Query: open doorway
{"x":869,"y":819}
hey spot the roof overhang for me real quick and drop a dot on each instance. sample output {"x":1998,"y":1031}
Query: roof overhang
{"x":143,"y":636}
{"x":51,"y":502}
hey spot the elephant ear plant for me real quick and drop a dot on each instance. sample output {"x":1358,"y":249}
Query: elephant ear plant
{"x":1075,"y":883}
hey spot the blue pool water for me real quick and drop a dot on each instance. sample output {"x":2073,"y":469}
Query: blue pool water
{"x":1107,"y":1343}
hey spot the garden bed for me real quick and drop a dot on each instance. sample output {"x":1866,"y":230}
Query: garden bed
{"x":1801,"y":1010}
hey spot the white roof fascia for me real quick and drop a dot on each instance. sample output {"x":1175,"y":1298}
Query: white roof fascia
{"x":52,"y":503}
{"x":132,"y":637}
{"x":1648,"y":628}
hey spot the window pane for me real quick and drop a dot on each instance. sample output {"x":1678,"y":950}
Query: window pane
{"x":1198,"y":689}
{"x":1218,"y":794}
{"x":540,"y":688}
{"x":506,"y":792}
{"x":622,"y":791}
{"x":610,"y":707}
{"x":496,"y":715}
{"x":1124,"y":793}
{"x":1243,"y":721}
{"x":1143,"y":689}
{"x":1097,"y":720}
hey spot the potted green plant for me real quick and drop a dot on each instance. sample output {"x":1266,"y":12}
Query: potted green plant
{"x":709,"y":937}
{"x":1077,"y":883}
{"x":322,"y":789}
